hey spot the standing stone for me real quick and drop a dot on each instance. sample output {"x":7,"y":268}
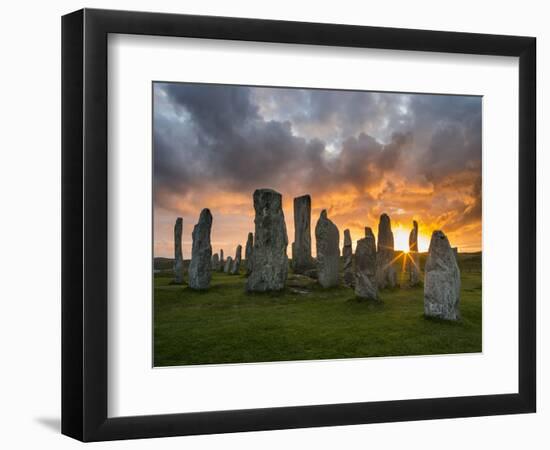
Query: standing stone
{"x":227,"y":265}
{"x":222,"y":261}
{"x":236,"y":264}
{"x":269,"y":258}
{"x":201,"y":256}
{"x":301,"y":247}
{"x":328,"y":251}
{"x":413,"y":259}
{"x":365,"y":268}
{"x":385,"y":272}
{"x":215,"y":262}
{"x":178,"y":255}
{"x":368,"y":232}
{"x":347,"y":253}
{"x":248,"y":250}
{"x":441,"y":280}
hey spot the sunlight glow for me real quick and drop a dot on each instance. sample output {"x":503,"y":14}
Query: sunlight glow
{"x":401,"y":239}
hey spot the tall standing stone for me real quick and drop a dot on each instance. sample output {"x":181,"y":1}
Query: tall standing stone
{"x":385,"y":272}
{"x":269,"y":258}
{"x":248,"y":251}
{"x":236,"y":264}
{"x":178,"y":255}
{"x":347,"y":253}
{"x":199,"y":268}
{"x":413,"y":260}
{"x":227,"y":265}
{"x":222,"y":261}
{"x":441,"y":280}
{"x":215,"y":262}
{"x":365,"y":268}
{"x":301,"y":247}
{"x":328,"y":251}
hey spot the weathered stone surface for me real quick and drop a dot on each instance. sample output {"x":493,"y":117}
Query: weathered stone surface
{"x":365,"y":268}
{"x":441,"y":280}
{"x":228,"y":264}
{"x":248,"y":251}
{"x":178,"y":255}
{"x":201,"y":255}
{"x":347,"y":253}
{"x":269,"y":259}
{"x":236,"y":264}
{"x":455,"y":252}
{"x":222,"y":261}
{"x":413,"y":258}
{"x":385,"y":272}
{"x":215,"y":262}
{"x":301,"y":247}
{"x":328,"y":251}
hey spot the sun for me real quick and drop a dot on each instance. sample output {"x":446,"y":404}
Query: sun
{"x":401,"y":239}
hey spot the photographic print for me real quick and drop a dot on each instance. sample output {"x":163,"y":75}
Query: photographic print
{"x":295,"y":224}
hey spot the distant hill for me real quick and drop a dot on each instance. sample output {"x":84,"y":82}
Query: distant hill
{"x":160,"y":263}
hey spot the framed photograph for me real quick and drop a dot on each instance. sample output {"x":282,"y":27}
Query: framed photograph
{"x":273,"y":224}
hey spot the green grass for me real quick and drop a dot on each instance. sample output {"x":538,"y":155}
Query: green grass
{"x":227,"y":325}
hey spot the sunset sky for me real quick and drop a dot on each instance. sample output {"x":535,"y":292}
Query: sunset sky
{"x":358,"y":154}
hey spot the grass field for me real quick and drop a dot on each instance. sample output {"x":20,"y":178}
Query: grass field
{"x":227,"y":325}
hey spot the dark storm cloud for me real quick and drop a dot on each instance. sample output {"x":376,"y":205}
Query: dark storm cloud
{"x":226,"y":139}
{"x":382,"y":146}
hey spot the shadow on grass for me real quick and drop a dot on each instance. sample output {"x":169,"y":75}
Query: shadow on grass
{"x":437,"y":320}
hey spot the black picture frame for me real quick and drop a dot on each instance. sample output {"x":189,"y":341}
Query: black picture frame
{"x":84,"y":224}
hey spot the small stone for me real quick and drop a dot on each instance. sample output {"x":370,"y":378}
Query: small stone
{"x":248,"y":251}
{"x":386,"y":275}
{"x":365,"y":269}
{"x":222,"y":261}
{"x":227,"y":265}
{"x":328,"y":251}
{"x":236,"y":264}
{"x":201,"y":256}
{"x":269,"y":258}
{"x":178,"y":255}
{"x":441,"y":280}
{"x":347,"y":253}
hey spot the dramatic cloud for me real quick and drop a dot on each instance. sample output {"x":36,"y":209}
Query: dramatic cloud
{"x":357,"y":153}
